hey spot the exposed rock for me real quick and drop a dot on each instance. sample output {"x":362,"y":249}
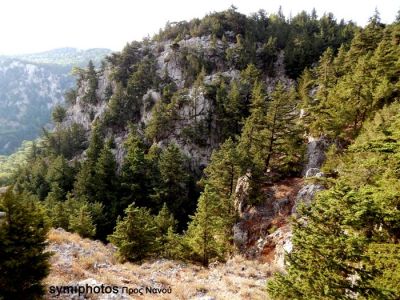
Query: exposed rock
{"x":306,"y":195}
{"x":184,"y":280}
{"x":149,"y":99}
{"x":240,"y":235}
{"x":84,"y":113}
{"x":242,"y":193}
{"x":315,"y":155}
{"x":275,"y":245}
{"x":31,"y":85}
{"x":205,"y":298}
{"x":314,"y":172}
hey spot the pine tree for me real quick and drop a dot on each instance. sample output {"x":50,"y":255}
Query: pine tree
{"x":269,"y":134}
{"x":23,"y":234}
{"x":319,"y":110}
{"x":251,"y":143}
{"x":201,"y":235}
{"x":135,"y":235}
{"x":284,"y":145}
{"x":92,"y":82}
{"x":134,"y":178}
{"x":166,"y":226}
{"x":85,"y":185}
{"x":106,"y":182}
{"x":117,"y":107}
{"x":82,"y":223}
{"x":221,"y":176}
{"x":165,"y":220}
{"x":59,"y":113}
{"x":60,"y":178}
{"x":234,"y":109}
{"x":352,"y":99}
{"x":173,"y":188}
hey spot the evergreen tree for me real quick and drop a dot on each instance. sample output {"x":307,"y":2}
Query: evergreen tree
{"x":82,"y":223}
{"x":134,"y":178}
{"x":135,"y":235}
{"x":117,"y":106}
{"x":85,"y":182}
{"x":234,"y":109}
{"x":106,"y":182}
{"x":173,"y":188}
{"x":60,"y":178}
{"x":201,"y":235}
{"x":166,"y":225}
{"x":59,"y":113}
{"x":251,"y":143}
{"x":92,"y":83}
{"x":221,"y":176}
{"x":23,"y":260}
{"x":284,"y":145}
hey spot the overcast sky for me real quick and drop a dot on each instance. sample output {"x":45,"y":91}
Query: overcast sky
{"x":37,"y":25}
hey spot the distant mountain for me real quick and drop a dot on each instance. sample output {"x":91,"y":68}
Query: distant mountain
{"x":30,"y":86}
{"x":66,"y":56}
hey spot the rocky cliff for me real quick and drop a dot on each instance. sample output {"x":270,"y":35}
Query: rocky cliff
{"x":30,"y":86}
{"x":194,"y":124}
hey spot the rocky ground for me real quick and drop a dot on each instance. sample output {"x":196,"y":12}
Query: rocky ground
{"x":84,"y":262}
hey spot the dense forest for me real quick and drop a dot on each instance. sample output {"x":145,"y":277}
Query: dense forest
{"x":148,"y":151}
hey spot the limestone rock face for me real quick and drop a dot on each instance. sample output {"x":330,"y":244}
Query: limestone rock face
{"x":306,"y":195}
{"x":242,"y":193}
{"x":83,"y":113}
{"x":315,"y":155}
{"x":277,"y":245}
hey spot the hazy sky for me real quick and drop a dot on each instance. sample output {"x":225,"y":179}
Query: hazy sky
{"x":38,"y":25}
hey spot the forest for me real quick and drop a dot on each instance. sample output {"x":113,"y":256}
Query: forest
{"x":156,"y":176}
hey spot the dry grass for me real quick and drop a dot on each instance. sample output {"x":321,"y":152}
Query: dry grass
{"x":77,"y":259}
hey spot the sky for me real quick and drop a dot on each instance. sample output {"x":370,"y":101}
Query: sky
{"x":28,"y":26}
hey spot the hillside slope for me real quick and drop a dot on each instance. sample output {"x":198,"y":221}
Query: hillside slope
{"x":30,"y":87}
{"x":78,"y":261}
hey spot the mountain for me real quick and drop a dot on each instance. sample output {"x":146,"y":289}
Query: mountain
{"x":270,"y":138}
{"x":66,"y":56}
{"x":30,"y":86}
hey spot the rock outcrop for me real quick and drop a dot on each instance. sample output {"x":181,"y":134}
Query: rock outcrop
{"x":274,"y":246}
{"x":242,"y":193}
{"x":315,"y":157}
{"x":306,"y":195}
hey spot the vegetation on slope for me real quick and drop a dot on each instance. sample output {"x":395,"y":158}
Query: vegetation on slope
{"x":255,"y":128}
{"x":346,"y":244}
